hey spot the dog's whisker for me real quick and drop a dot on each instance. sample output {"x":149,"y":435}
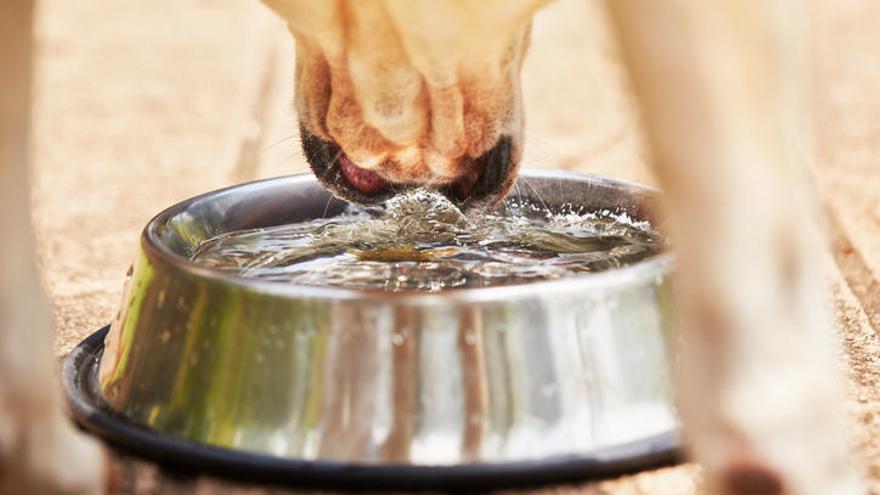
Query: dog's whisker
{"x":287,"y":159}
{"x":269,"y":146}
{"x":547,"y":150}
{"x":536,"y":193}
{"x":327,"y":205}
{"x":333,"y":165}
{"x":516,"y":187}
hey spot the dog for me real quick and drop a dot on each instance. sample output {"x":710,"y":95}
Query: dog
{"x":398,"y":93}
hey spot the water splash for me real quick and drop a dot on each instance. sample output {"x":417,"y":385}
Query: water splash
{"x":421,"y":241}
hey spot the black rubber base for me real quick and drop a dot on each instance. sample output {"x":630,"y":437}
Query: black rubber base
{"x":79,"y":378}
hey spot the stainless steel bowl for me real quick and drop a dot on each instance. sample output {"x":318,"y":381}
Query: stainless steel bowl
{"x":483,"y":376}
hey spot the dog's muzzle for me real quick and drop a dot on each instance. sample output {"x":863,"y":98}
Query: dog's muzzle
{"x":487,"y":181}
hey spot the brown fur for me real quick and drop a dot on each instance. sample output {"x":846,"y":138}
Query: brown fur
{"x":410,"y":89}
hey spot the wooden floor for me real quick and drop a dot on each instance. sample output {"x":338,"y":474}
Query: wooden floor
{"x":144,"y":103}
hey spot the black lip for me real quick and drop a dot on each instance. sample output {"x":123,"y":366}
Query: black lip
{"x":497,"y":173}
{"x":323,"y":160}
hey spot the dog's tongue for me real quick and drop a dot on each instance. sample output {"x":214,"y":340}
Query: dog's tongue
{"x":365,"y":181}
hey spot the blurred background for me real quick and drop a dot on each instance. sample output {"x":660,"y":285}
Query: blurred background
{"x":140,"y":104}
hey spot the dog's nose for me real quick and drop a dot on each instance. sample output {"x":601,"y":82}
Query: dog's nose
{"x":484,"y":180}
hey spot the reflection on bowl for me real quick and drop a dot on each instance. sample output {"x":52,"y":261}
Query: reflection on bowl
{"x":483,"y":375}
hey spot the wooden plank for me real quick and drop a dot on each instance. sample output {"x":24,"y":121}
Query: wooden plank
{"x":857,"y":307}
{"x":848,"y":178}
{"x":848,"y":121}
{"x":136,"y":106}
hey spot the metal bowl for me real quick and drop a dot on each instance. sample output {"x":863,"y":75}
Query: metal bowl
{"x":538,"y":374}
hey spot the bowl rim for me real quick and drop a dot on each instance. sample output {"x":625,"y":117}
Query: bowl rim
{"x":648,"y":270}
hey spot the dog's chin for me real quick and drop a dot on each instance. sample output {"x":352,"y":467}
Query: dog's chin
{"x":489,"y":179}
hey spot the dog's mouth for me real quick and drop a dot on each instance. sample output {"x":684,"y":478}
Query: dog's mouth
{"x":364,"y":181}
{"x":487,"y":180}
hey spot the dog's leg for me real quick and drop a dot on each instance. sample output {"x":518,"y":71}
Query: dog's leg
{"x":39,"y":451}
{"x":722,"y":86}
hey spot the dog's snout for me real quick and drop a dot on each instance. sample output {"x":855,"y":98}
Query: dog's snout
{"x":392,"y":100}
{"x":480,"y":181}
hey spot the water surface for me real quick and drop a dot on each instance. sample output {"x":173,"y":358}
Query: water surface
{"x":421,"y":241}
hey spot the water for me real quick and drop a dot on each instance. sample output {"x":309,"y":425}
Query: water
{"x":421,"y":241}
